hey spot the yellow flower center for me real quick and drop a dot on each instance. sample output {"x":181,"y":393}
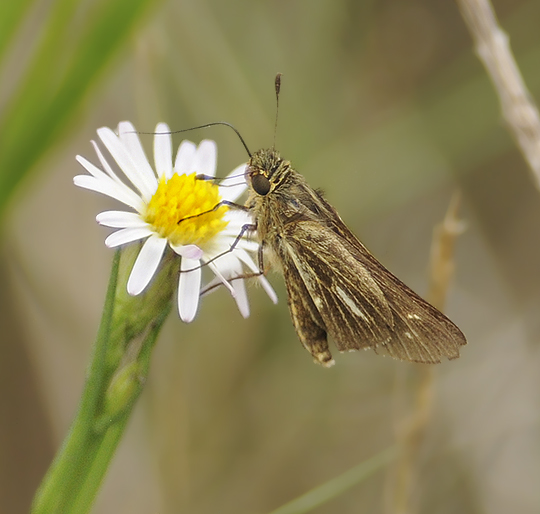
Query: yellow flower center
{"x":182,"y":210}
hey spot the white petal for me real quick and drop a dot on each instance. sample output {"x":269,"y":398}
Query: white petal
{"x":244,"y":244}
{"x":188,"y":251}
{"x":120,"y":219}
{"x":219,"y":275}
{"x":146,"y":264}
{"x":130,"y":164}
{"x":241,"y":297}
{"x":234,"y":228}
{"x":129,"y":137}
{"x":185,"y":158}
{"x":101,"y":186}
{"x":225,"y":240}
{"x":242,"y":255}
{"x":91,"y":168}
{"x":127,"y":235}
{"x":189,"y":289}
{"x":110,"y":188}
{"x":210,"y":287}
{"x":236,"y":219}
{"x":163,"y":151}
{"x":105,"y":163}
{"x":268,"y":289}
{"x":221,"y":250}
{"x":234,"y":184}
{"x":123,"y":193}
{"x":206,"y":158}
{"x":248,"y":261}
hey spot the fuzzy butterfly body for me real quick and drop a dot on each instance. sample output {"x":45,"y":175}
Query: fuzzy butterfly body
{"x":335,"y":286}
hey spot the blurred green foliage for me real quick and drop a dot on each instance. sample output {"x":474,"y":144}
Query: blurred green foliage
{"x":73,"y":43}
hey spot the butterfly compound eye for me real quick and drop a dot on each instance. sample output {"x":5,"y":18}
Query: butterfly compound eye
{"x":260,"y":184}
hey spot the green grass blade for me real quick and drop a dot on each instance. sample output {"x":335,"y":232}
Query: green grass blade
{"x":38,"y":118}
{"x":337,"y":485}
{"x":11,"y":15}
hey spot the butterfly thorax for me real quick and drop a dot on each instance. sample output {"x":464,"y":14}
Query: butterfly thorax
{"x":281,"y":197}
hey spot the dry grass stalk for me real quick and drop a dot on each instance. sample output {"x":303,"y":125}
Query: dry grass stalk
{"x":410,"y":431}
{"x":518,"y":108}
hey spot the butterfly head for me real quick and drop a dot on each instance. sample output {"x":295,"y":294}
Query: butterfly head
{"x":265,"y":171}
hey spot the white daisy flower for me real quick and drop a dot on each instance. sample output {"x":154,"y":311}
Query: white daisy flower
{"x":167,"y":203}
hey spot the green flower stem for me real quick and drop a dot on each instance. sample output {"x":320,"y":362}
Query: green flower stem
{"x":83,"y":501}
{"x":129,"y":328}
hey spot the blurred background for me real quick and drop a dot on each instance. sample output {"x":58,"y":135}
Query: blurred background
{"x":386,"y":108}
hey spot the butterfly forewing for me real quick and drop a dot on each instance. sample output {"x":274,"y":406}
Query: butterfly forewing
{"x":361,"y":310}
{"x":421,"y":332}
{"x":335,"y":286}
{"x":363,"y":314}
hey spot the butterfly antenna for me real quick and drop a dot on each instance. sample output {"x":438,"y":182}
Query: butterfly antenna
{"x":278,"y":87}
{"x":206,"y":125}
